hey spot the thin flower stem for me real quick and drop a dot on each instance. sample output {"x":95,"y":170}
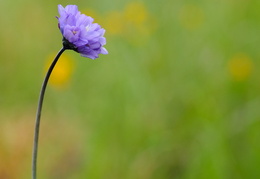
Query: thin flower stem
{"x":38,"y":115}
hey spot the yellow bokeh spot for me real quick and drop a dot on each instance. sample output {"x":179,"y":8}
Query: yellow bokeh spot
{"x":139,"y":24}
{"x":134,"y":23}
{"x":191,"y":17}
{"x":114,"y":23}
{"x":240,"y":67}
{"x":136,"y":13}
{"x":62,"y":72}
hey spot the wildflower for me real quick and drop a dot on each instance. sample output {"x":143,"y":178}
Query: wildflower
{"x":80,"y":33}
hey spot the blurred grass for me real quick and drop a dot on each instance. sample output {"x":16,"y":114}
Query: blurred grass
{"x":177,"y":96}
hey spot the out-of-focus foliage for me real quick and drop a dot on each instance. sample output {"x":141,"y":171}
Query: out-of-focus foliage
{"x":177,"y":96}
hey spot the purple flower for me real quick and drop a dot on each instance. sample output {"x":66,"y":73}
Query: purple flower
{"x":80,"y":33}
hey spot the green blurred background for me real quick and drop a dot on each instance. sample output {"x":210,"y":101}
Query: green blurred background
{"x":177,"y":97}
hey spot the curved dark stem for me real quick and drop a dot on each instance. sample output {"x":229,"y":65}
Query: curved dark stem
{"x":38,"y":115}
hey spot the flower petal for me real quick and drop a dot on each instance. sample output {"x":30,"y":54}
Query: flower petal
{"x":103,"y":50}
{"x":71,"y":9}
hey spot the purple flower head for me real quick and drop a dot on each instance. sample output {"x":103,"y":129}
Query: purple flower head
{"x":80,"y":33}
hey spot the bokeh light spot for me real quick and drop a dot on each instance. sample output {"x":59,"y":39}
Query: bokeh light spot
{"x":114,"y":23}
{"x":136,"y":13}
{"x":240,"y":67}
{"x":62,"y":72}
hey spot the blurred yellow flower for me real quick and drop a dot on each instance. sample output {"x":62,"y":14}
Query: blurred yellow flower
{"x":114,"y":23}
{"x":240,"y":67}
{"x":134,"y":23}
{"x":139,"y":23}
{"x":62,"y":72}
{"x":191,"y":17}
{"x":136,"y":13}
